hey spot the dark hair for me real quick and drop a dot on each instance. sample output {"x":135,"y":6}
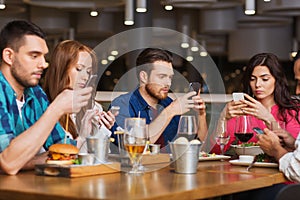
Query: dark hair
{"x":282,"y":96}
{"x":297,"y":56}
{"x":149,"y":56}
{"x":12,"y":35}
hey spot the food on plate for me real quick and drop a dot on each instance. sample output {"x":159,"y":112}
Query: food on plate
{"x":204,"y":154}
{"x":62,"y":154}
{"x":249,"y":144}
{"x":265,"y":158}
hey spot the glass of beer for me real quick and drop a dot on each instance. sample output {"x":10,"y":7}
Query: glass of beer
{"x":135,"y":140}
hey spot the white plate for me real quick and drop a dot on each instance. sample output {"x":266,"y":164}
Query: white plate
{"x":256,"y":164}
{"x":215,"y":157}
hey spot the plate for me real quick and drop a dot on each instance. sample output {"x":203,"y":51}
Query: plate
{"x":213,"y":157}
{"x":256,"y":164}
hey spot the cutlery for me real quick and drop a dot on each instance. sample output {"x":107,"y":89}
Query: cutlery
{"x":251,"y":165}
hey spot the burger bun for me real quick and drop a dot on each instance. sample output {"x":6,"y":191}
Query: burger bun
{"x":63,"y":149}
{"x":59,"y":162}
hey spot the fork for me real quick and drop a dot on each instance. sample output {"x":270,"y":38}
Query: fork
{"x":251,"y":165}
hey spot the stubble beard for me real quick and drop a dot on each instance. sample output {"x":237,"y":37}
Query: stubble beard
{"x":150,"y":89}
{"x":17,"y":74}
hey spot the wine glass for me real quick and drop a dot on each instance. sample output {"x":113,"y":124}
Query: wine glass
{"x":222,"y":135}
{"x":135,"y":140}
{"x":243,"y":129}
{"x":187,"y":127}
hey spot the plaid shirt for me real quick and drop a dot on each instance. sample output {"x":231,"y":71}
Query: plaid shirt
{"x":11,"y":125}
{"x":289,"y":164}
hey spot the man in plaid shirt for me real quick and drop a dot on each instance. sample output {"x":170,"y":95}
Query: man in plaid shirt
{"x":28,"y":124}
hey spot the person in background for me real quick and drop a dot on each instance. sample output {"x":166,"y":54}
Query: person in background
{"x":71,"y":66}
{"x":282,"y":145}
{"x":267,"y":98}
{"x":285,"y":149}
{"x":297,"y":71}
{"x":150,"y":99}
{"x":28,"y":122}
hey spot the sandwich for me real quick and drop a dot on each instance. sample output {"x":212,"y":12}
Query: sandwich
{"x":62,"y":154}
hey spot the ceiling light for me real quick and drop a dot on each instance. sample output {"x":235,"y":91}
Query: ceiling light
{"x":129,"y":14}
{"x":104,"y":61}
{"x":189,"y":55}
{"x":168,"y":7}
{"x":141,"y":6}
{"x":111,"y":58}
{"x":94,"y":13}
{"x":250,"y":7}
{"x":194,"y":46}
{"x":2,"y":4}
{"x":295,"y":48}
{"x":114,"y":52}
{"x":185,"y":39}
{"x":203,"y":51}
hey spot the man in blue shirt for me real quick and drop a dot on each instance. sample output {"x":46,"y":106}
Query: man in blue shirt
{"x":27,"y":122}
{"x":150,"y":100}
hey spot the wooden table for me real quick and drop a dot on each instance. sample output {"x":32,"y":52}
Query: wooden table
{"x":214,"y":178}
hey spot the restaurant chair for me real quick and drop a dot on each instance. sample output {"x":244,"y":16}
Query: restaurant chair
{"x":290,"y":192}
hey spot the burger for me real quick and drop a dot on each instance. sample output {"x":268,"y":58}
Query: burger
{"x":62,"y":154}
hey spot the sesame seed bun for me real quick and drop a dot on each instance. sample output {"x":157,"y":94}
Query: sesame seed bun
{"x":64,"y":149}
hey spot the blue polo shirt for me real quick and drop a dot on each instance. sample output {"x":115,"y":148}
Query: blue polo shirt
{"x":132,"y":104}
{"x":11,"y":125}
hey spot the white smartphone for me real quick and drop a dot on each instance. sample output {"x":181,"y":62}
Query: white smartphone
{"x":91,"y":82}
{"x":236,"y":96}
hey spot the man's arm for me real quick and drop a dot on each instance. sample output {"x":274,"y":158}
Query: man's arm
{"x":289,"y":162}
{"x":24,"y":147}
{"x":178,"y":107}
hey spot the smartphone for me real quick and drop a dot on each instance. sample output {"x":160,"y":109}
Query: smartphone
{"x":236,"y":96}
{"x":91,"y":82}
{"x":195,"y":86}
{"x":114,"y":109}
{"x":258,"y":130}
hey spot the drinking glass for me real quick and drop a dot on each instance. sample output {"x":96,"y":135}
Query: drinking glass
{"x":187,"y":127}
{"x":135,"y":140}
{"x":222,"y":135}
{"x":243,"y":129}
{"x":277,"y":125}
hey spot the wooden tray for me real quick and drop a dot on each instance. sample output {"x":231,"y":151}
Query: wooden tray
{"x":73,"y":171}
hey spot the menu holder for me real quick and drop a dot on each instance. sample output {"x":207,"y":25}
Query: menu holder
{"x":73,"y":171}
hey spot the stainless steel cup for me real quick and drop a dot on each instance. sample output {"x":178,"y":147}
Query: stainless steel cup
{"x":99,"y":146}
{"x":185,"y":157}
{"x":86,"y":158}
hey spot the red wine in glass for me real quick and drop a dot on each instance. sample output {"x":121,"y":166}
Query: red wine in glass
{"x":244,"y":137}
{"x":243,"y":129}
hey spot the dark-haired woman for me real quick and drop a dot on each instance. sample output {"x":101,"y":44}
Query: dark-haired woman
{"x":267,"y":98}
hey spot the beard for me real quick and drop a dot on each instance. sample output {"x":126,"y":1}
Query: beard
{"x":17,"y":71}
{"x":154,"y":91}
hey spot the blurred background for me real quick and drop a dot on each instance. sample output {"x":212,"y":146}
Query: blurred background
{"x":230,"y":31}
